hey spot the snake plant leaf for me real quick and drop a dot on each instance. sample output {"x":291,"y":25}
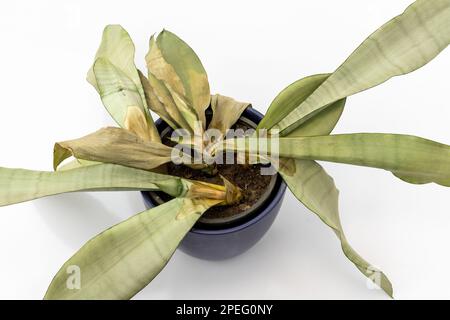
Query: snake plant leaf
{"x":169,"y":106}
{"x":167,"y":83}
{"x":312,"y":186}
{"x":226,"y":111}
{"x":114,"y":145}
{"x":116,"y":79}
{"x":122,"y":260}
{"x":413,"y":159}
{"x":189,"y":68}
{"x":123,"y":100}
{"x":402,"y":45}
{"x":291,"y":97}
{"x":117,"y":47}
{"x":155,"y":104}
{"x":76,"y":163}
{"x":306,"y":179}
{"x":18,"y":185}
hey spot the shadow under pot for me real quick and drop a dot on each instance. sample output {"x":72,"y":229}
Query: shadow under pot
{"x":227,"y":231}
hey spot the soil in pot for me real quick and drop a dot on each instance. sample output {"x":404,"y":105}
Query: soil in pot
{"x":246,"y":177}
{"x":256,"y":188}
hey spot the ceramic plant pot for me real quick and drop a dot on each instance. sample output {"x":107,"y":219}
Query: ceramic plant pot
{"x":225,"y":238}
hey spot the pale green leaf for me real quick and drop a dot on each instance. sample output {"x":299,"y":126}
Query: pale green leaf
{"x":122,"y":260}
{"x":169,"y":87}
{"x":168,"y":105}
{"x":115,"y":77}
{"x":400,"y":46}
{"x":307,"y":180}
{"x":18,"y":185}
{"x":311,"y":185}
{"x":291,"y":97}
{"x":411,"y":158}
{"x":118,"y":48}
{"x":156,"y":105}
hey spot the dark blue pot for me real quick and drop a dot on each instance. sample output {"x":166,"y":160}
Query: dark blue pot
{"x":227,"y":242}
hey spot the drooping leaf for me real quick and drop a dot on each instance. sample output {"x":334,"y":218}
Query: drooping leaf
{"x":115,"y":77}
{"x":312,"y":186}
{"x":307,"y":180}
{"x":114,"y":145}
{"x":122,"y":260}
{"x":18,"y":185}
{"x":118,"y":48}
{"x":226,"y":111}
{"x":168,"y":102}
{"x":400,"y":46}
{"x":157,"y":105}
{"x":291,"y":97}
{"x":162,"y":70}
{"x":411,"y":158}
{"x":189,"y":69}
{"x":169,"y":88}
{"x":122,"y":99}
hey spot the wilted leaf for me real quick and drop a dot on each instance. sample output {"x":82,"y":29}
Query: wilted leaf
{"x":115,"y":77}
{"x":169,"y":88}
{"x":316,"y":190}
{"x":122,"y":260}
{"x":400,"y":46}
{"x":190,"y":70}
{"x":226,"y":111}
{"x":155,"y":104}
{"x":307,"y":180}
{"x":114,"y":145}
{"x":136,"y":123}
{"x":168,"y":102}
{"x":411,"y":158}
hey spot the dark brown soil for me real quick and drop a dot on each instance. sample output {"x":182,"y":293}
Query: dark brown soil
{"x":246,"y":177}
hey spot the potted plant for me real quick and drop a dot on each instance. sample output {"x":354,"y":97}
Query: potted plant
{"x":220,"y":208}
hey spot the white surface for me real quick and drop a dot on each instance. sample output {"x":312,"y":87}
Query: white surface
{"x":250,"y":51}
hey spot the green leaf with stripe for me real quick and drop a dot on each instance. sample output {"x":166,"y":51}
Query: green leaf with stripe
{"x":292,"y":96}
{"x":19,"y":185}
{"x":306,"y":179}
{"x":119,"y":262}
{"x":402,"y":45}
{"x":414,"y":159}
{"x":311,"y":185}
{"x":190,"y":70}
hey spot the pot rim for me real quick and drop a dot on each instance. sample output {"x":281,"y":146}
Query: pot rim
{"x":265,"y":209}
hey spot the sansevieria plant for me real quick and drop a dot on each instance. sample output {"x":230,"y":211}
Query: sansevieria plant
{"x":123,"y":259}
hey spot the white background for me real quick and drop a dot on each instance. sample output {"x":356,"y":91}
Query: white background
{"x":251,"y":50}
